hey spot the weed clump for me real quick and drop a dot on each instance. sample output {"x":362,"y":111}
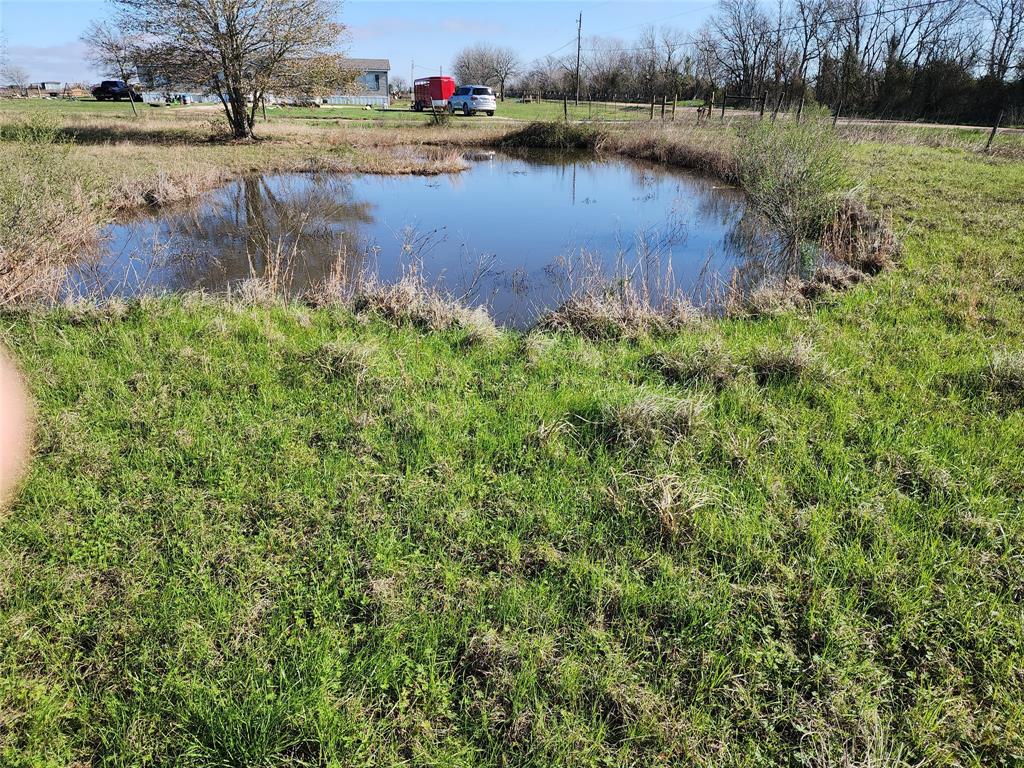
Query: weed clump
{"x":1004,"y":376}
{"x":772,"y":298}
{"x":645,"y":420}
{"x":337,"y":361}
{"x":854,"y":236}
{"x":413,"y":301}
{"x":554,"y":135}
{"x":709,"y":364}
{"x":675,"y":501}
{"x":775,"y":366}
{"x":618,"y":316}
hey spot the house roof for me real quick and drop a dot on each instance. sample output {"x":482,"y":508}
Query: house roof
{"x":368,"y":65}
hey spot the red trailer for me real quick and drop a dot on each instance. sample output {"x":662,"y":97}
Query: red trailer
{"x":432,"y":92}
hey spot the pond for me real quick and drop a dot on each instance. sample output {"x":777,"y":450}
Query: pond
{"x":516,"y":233}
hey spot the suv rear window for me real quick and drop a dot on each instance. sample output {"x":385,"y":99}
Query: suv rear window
{"x":462,"y":91}
{"x":482,"y":92}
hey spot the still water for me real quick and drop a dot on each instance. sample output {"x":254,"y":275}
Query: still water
{"x":517,"y":233}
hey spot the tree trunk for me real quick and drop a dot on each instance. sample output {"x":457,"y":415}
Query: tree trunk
{"x":238,"y":115}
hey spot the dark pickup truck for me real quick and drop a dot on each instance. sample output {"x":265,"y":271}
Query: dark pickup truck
{"x":115,"y":90}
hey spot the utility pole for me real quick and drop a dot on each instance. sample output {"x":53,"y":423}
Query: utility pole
{"x":579,"y":46}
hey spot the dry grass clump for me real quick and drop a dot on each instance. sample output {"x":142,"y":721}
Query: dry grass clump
{"x":45,"y":218}
{"x":708,"y":364}
{"x":342,"y":360}
{"x":675,"y":501}
{"x":710,"y":152}
{"x":831,"y":278}
{"x":778,"y":365}
{"x":772,"y":298}
{"x":397,"y":161}
{"x":917,"y":474}
{"x":164,"y":187}
{"x":1004,"y":376}
{"x":860,"y":239}
{"x":413,"y":301}
{"x":618,"y":316}
{"x":649,"y":418}
{"x":536,"y":346}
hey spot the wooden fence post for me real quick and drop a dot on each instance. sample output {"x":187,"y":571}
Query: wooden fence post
{"x":995,"y":129}
{"x":565,"y":107}
{"x":778,"y":103}
{"x":652,"y":106}
{"x":764,"y":98}
{"x":835,"y":117}
{"x":800,"y":109}
{"x":675,"y":98}
{"x":725,"y":95}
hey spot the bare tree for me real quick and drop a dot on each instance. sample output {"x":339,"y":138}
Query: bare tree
{"x":474,"y":65}
{"x":505,"y":65}
{"x":399,"y":84}
{"x":15,"y":75}
{"x":238,"y":49}
{"x":1006,"y":19}
{"x":111,"y":53}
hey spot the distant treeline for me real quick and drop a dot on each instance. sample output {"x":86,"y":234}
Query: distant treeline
{"x":943,"y":60}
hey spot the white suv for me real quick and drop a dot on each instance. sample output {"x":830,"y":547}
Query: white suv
{"x":472,"y":99}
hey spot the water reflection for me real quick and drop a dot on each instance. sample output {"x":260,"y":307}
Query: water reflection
{"x":518,"y":233}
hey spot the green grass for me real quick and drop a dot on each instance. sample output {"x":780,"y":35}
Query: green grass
{"x":399,"y":112}
{"x":280,"y":536}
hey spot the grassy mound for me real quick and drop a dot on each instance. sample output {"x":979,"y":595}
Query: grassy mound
{"x":553,"y":135}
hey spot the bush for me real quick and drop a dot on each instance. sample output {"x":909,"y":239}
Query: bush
{"x":795,"y":177}
{"x":554,"y":135}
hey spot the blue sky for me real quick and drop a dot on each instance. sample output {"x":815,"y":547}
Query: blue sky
{"x":42,"y":35}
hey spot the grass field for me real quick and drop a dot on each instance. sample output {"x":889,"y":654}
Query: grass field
{"x":399,"y":111}
{"x":275,"y":535}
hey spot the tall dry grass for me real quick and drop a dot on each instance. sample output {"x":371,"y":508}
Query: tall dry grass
{"x":45,"y":216}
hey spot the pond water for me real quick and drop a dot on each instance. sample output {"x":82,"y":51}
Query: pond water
{"x":517,"y":233}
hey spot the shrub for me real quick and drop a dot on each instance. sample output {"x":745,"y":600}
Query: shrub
{"x":795,"y":177}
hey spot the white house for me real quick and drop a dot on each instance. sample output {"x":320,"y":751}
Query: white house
{"x":371,"y":87}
